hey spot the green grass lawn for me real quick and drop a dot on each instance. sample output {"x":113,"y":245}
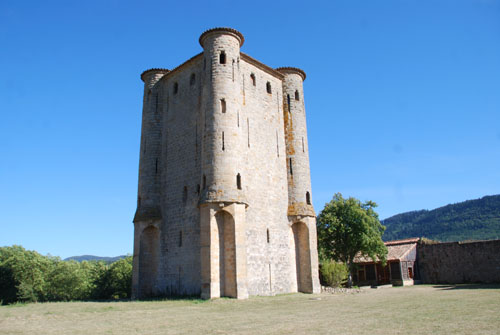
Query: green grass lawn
{"x":423,"y":309}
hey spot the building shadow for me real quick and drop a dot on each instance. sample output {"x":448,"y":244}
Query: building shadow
{"x":467,"y":286}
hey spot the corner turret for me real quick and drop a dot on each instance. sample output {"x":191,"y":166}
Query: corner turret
{"x":148,"y":198}
{"x":297,"y":153}
{"x":222,"y":201}
{"x":222,"y":167}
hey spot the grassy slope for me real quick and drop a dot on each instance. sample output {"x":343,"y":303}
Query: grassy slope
{"x":403,"y":310}
{"x":469,"y":220}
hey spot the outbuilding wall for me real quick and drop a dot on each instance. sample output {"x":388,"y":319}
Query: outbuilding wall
{"x":459,"y":262}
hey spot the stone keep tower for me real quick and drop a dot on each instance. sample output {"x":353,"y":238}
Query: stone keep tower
{"x":224,"y":201}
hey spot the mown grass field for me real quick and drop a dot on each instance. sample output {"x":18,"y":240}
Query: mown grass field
{"x":466,"y":309}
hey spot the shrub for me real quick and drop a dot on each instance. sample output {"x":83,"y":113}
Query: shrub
{"x":332,"y":273}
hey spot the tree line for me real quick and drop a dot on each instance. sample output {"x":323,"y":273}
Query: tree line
{"x":27,"y":276}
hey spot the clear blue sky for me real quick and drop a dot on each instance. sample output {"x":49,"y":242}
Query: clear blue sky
{"x":402,"y":101}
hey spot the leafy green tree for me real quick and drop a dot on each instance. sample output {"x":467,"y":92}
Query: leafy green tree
{"x":114,"y":281}
{"x":120,"y":278}
{"x":347,"y":228}
{"x":68,"y":280}
{"x":8,"y":284}
{"x":26,"y":270}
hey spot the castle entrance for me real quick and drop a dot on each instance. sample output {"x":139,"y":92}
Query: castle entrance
{"x":302,"y":257}
{"x":148,"y":260}
{"x":226,"y":254}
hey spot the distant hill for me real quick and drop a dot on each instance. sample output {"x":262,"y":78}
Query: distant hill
{"x":95,"y":258}
{"x":469,"y":220}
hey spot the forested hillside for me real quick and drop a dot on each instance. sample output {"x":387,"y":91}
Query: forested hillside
{"x":477,"y":219}
{"x":95,"y":258}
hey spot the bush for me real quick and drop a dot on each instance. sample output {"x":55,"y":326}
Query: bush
{"x":332,"y":274}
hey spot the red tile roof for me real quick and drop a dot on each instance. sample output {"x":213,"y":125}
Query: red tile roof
{"x":396,"y":250}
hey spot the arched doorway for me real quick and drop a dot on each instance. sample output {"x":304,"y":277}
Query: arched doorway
{"x":302,"y":257}
{"x":227,"y":254}
{"x":149,"y":253}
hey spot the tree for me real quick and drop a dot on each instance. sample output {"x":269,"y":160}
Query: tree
{"x":67,"y":280}
{"x":347,"y":228}
{"x":114,"y":281}
{"x":22,"y":274}
{"x":120,"y":278}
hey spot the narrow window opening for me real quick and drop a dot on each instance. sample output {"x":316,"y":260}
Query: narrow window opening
{"x":238,"y":118}
{"x":268,"y":87}
{"x":222,"y":57}
{"x":180,"y":238}
{"x":303,"y":150}
{"x":184,"y":194}
{"x":252,"y":76}
{"x":192,"y":79}
{"x":297,"y":95}
{"x":233,"y":69}
{"x":291,"y":169}
{"x":238,"y":181}
{"x":288,"y":100}
{"x":308,"y":198}
{"x":277,"y":144}
{"x":268,"y":237}
{"x":198,"y":188}
{"x":243,"y":83}
{"x":223,"y":105}
{"x":223,"y":141}
{"x":156,"y":166}
{"x":248,"y":132}
{"x":176,"y":88}
{"x":204,"y":182}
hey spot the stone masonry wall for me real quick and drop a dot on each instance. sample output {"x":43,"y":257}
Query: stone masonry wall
{"x":459,"y":262}
{"x":199,"y":150}
{"x":269,"y":265}
{"x":180,"y":231}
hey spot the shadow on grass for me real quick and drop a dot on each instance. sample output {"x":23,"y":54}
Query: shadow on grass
{"x":192,"y":299}
{"x":467,"y":286}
